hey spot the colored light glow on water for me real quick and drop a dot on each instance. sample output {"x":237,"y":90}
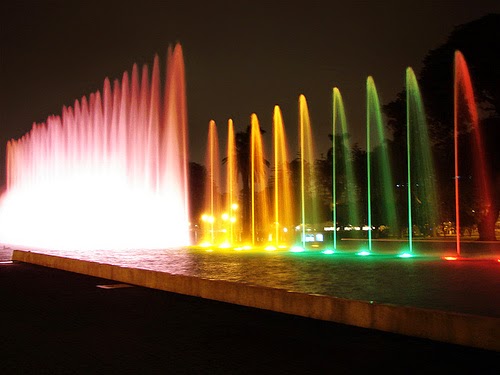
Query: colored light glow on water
{"x":464,"y":94}
{"x":297,"y":249}
{"x":341,"y":151}
{"x":244,"y":247}
{"x":422,"y":200}
{"x":363,"y":253}
{"x":405,"y":255}
{"x":450,"y":258}
{"x":328,"y":251}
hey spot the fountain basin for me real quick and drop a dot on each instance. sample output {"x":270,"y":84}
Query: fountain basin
{"x":447,"y":326}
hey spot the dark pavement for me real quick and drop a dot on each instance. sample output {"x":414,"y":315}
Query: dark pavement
{"x":56,"y":322}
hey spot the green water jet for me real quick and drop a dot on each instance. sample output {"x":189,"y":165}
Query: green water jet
{"x":421,"y":194}
{"x":341,"y":150}
{"x":380,"y":189}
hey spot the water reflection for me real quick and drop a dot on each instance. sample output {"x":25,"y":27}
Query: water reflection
{"x":467,"y":287}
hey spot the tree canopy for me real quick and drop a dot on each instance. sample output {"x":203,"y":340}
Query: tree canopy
{"x":479,"y":42}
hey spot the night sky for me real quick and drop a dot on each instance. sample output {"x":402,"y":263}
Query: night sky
{"x":241,"y":57}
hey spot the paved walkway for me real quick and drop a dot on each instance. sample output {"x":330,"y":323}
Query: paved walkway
{"x":56,"y":322}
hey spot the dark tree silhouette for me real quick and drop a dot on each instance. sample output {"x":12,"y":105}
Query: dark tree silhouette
{"x":197,"y":179}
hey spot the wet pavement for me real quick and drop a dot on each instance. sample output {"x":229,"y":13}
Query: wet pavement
{"x":56,"y":322}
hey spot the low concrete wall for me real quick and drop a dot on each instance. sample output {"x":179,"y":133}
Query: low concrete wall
{"x":469,"y":330}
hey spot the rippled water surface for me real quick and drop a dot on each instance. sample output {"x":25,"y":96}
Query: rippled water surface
{"x":462,"y":286}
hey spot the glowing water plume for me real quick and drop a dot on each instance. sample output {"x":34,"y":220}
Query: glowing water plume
{"x":212,"y":213}
{"x":232,"y":206}
{"x":283,"y":199}
{"x":308,"y":181}
{"x":422,"y":196}
{"x":384,"y":180}
{"x":109,"y":173}
{"x":463,"y":90}
{"x":175,"y":137}
{"x":342,"y":152}
{"x":260,"y":204}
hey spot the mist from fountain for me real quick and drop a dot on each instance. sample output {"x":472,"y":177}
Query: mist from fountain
{"x":345,"y":194}
{"x":230,"y":215}
{"x":212,"y":207}
{"x":284,"y":210}
{"x":309,"y":199}
{"x":379,"y":168}
{"x":466,"y":118}
{"x":260,"y":219}
{"x":421,"y":180}
{"x":109,"y":173}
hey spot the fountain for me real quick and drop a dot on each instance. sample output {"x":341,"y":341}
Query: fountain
{"x":422,"y":195}
{"x":212,"y":209}
{"x":232,"y":206}
{"x":379,"y":176}
{"x":401,"y":192}
{"x":309,"y":205}
{"x":481,"y":180}
{"x":109,"y":173}
{"x":260,"y":228}
{"x":284,"y":217}
{"x":344,"y":193}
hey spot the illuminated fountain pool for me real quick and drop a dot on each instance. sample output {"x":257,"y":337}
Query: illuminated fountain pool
{"x":422,"y":281}
{"x":109,"y":177}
